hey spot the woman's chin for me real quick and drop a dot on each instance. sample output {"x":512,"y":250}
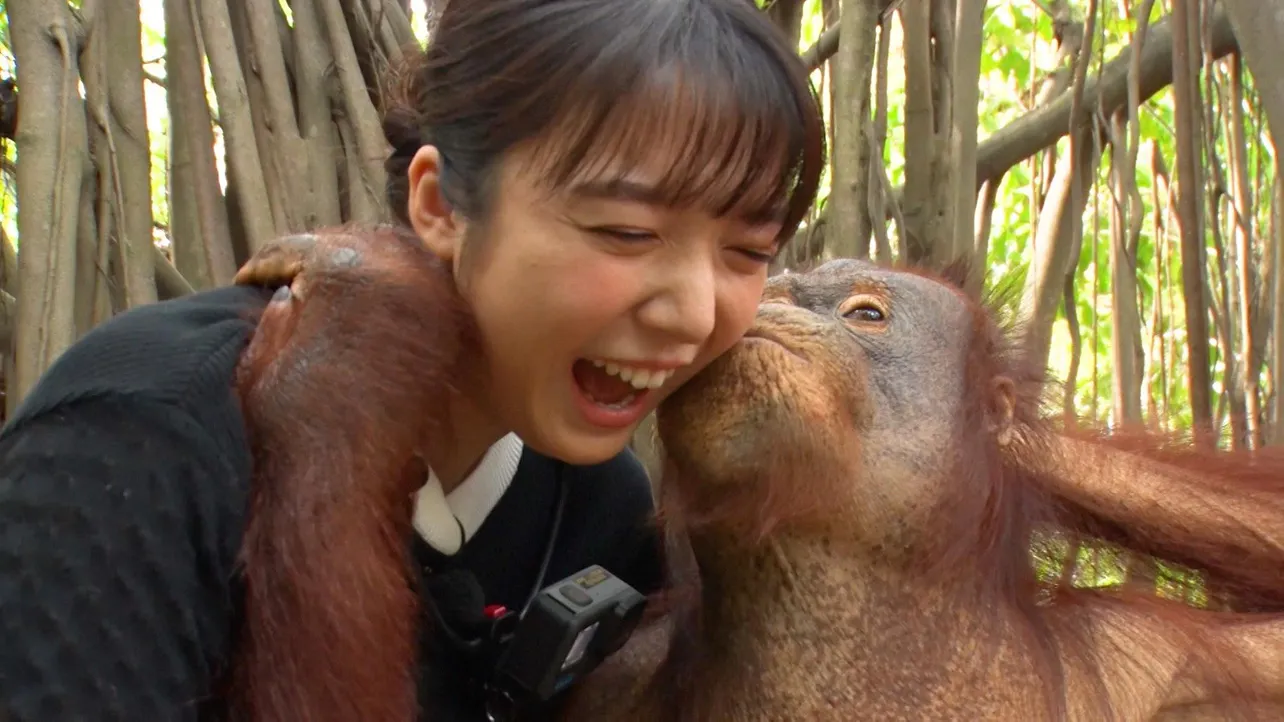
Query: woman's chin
{"x":581,"y":445}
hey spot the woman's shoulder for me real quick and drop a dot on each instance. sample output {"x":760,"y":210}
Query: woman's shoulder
{"x":123,"y":483}
{"x":185,"y":348}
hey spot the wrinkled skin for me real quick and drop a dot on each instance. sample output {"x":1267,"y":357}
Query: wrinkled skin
{"x":827,"y":376}
{"x":814,"y":462}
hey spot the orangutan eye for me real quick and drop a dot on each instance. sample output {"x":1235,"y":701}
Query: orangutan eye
{"x":864,"y":309}
{"x":866,"y":313}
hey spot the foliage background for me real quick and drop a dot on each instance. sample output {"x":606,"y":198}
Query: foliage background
{"x":1022,"y":51}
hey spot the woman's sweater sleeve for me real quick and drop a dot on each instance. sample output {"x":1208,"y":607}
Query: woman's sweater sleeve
{"x":115,"y":562}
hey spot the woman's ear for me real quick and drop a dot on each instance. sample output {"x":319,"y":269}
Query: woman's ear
{"x":430,"y":214}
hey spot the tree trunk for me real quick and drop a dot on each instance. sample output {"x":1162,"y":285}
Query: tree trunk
{"x":51,"y":134}
{"x":1125,"y":319}
{"x":848,"y":228}
{"x":963,"y":205}
{"x":1259,"y":25}
{"x":131,"y":156}
{"x":1190,"y":196}
{"x":1054,"y":240}
{"x":85,"y":178}
{"x":260,"y":217}
{"x":312,"y":62}
{"x":1248,"y":282}
{"x":1277,"y":332}
{"x":918,"y":241}
{"x":359,"y":127}
{"x":788,"y":16}
{"x":199,"y":227}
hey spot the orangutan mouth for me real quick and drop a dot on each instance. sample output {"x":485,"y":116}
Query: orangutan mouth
{"x":765,"y":337}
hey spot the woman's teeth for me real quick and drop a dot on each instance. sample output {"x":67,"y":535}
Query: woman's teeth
{"x":638,"y":378}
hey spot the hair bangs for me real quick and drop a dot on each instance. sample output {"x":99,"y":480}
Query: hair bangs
{"x":712,"y":124}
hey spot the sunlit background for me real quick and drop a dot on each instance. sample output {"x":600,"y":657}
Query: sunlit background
{"x":1019,"y":50}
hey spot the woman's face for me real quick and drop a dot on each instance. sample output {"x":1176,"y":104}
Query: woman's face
{"x":593,"y":302}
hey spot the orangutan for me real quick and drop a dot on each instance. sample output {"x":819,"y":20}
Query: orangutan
{"x":343,"y":387}
{"x":883,"y":526}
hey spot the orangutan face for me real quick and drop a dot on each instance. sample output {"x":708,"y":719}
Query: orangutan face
{"x":842,"y":401}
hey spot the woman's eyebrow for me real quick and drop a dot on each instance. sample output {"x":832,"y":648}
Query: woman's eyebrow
{"x":765,"y":217}
{"x":620,"y":189}
{"x":623,"y":189}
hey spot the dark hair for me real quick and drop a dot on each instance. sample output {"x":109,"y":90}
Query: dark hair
{"x":607,"y":80}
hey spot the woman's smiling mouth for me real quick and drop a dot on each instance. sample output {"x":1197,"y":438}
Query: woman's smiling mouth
{"x":613,"y":394}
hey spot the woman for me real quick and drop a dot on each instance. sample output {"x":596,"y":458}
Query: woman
{"x":608,"y":179}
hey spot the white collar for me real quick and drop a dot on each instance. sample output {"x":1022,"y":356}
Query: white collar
{"x":446,"y":522}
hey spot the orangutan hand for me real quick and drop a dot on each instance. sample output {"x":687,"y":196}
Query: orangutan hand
{"x":279,"y":262}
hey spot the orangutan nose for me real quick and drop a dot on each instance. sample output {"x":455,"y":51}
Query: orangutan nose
{"x":786,"y":318}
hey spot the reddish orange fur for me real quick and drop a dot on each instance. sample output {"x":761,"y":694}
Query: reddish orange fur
{"x":1004,"y":502}
{"x":341,"y":386}
{"x":1250,"y":576}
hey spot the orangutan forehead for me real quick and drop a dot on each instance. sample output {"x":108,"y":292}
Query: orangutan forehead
{"x":828,"y":285}
{"x":825,"y":286}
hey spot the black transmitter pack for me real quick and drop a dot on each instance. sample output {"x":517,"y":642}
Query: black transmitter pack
{"x":568,"y":629}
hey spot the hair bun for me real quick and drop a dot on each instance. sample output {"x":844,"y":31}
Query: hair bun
{"x":401,"y":131}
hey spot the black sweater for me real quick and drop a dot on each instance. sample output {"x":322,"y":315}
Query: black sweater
{"x":124,"y":481}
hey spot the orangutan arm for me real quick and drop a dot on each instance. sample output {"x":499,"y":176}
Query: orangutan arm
{"x":1170,"y":494}
{"x":1248,"y":659}
{"x":1132,"y":656}
{"x":1164,"y":657}
{"x":1182,"y":662}
{"x":344,"y":387}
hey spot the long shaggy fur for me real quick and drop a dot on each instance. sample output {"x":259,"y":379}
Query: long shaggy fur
{"x":1014,"y":532}
{"x":342,"y":384}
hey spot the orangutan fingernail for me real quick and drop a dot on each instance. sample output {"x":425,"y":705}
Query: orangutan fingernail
{"x":282,"y":295}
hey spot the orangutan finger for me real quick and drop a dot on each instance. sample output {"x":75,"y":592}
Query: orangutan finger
{"x":278,"y":262}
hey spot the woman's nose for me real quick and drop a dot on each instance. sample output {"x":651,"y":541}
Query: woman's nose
{"x":684,"y":306}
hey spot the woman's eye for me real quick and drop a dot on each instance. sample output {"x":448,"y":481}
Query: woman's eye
{"x":757,"y":256}
{"x":624,"y":234}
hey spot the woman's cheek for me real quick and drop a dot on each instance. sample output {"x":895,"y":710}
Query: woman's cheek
{"x":738,"y":301}
{"x":603,"y":286}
